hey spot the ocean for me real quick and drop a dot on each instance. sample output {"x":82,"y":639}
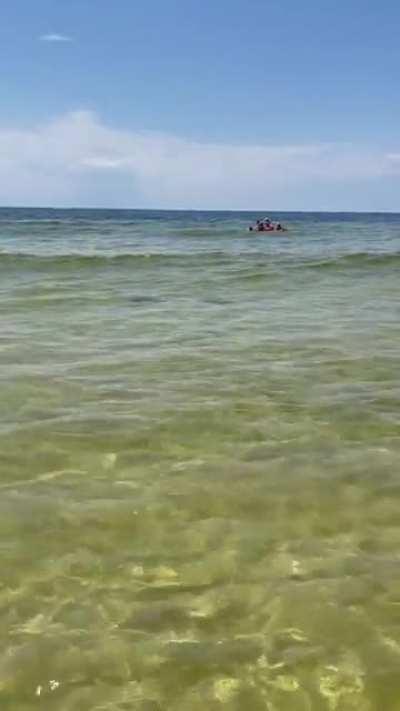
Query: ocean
{"x":199,"y":462}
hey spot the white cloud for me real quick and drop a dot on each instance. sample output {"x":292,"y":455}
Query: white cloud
{"x":55,"y":37}
{"x":78,"y":160}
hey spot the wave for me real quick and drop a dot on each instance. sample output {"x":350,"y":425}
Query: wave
{"x":79,"y":259}
{"x":252,"y":264}
{"x":356,"y":259}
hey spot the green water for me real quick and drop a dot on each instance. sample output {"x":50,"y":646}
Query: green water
{"x":199,"y":463}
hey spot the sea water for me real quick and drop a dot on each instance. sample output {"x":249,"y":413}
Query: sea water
{"x":199,"y":462}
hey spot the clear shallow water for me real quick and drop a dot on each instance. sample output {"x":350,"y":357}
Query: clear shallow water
{"x":199,"y":462}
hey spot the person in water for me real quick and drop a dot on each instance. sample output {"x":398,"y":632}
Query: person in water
{"x":262,"y":226}
{"x":266,"y":225}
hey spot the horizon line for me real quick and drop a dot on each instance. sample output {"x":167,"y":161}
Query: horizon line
{"x":201,"y":209}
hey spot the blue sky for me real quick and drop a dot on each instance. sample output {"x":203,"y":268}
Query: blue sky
{"x":307,"y":92}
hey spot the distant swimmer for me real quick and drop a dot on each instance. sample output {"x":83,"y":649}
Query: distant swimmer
{"x":266,"y":225}
{"x":260,"y":227}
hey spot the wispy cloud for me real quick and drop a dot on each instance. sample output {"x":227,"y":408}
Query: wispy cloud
{"x":77,"y":159}
{"x":55,"y":37}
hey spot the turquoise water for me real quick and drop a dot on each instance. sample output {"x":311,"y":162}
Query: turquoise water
{"x":199,"y":462}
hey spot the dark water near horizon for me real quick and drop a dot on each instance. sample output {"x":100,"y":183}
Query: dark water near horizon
{"x":199,"y":461}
